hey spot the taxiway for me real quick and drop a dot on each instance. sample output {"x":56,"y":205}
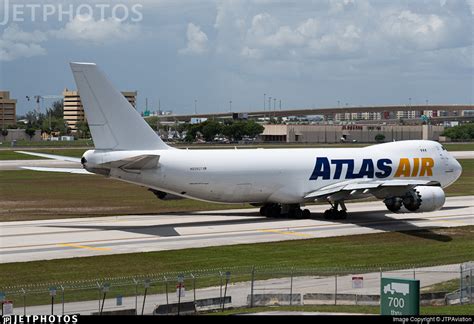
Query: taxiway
{"x":67,"y":238}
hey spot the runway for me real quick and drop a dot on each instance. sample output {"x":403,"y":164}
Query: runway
{"x":18,"y":164}
{"x":67,"y":238}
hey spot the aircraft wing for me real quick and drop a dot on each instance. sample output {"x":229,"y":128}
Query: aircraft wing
{"x":52,"y":156}
{"x":353,"y":189}
{"x":66,"y":170}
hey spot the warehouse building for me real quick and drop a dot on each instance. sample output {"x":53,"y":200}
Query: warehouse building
{"x":348,"y":133}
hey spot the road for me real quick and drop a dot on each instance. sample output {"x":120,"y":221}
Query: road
{"x":78,"y":237}
{"x":18,"y":164}
{"x":240,"y":291}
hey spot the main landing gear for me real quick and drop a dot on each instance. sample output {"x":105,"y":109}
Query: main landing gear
{"x":334,"y":213}
{"x":291,"y":211}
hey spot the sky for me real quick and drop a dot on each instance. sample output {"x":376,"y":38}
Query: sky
{"x":319,"y":53}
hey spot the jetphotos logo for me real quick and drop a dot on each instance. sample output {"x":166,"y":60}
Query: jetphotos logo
{"x":14,"y":12}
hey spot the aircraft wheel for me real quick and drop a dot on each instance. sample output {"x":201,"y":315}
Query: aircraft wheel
{"x":263,"y":211}
{"x":306,"y":213}
{"x":298,"y":213}
{"x":341,"y":214}
{"x":275,"y":211}
{"x":328,"y":214}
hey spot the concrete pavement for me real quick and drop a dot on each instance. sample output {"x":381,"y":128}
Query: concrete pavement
{"x":67,"y":238}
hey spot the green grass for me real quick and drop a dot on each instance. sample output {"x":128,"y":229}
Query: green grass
{"x":459,"y":146}
{"x":445,"y":286}
{"x":464,"y":186}
{"x":348,"y":252}
{"x":424,"y":310}
{"x":28,"y":195}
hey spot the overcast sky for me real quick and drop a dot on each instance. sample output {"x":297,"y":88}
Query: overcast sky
{"x":306,"y":53}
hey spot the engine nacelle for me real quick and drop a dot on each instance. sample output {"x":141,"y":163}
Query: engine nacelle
{"x":419,"y":199}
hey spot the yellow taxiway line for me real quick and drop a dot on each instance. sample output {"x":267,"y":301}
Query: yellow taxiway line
{"x":85,"y":247}
{"x":286,"y":232}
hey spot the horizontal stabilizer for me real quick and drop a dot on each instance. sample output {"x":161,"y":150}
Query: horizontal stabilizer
{"x":52,"y":156}
{"x":136,"y":163}
{"x":64,"y":170}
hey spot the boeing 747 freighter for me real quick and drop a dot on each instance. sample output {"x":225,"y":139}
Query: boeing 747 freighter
{"x":409,"y":176}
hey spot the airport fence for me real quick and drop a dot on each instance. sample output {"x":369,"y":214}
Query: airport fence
{"x":219,"y":289}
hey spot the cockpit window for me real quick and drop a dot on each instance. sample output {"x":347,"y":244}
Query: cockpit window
{"x":444,"y":149}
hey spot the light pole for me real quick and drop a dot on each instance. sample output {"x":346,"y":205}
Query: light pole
{"x":230,"y":105}
{"x":270,"y":108}
{"x":195,"y":106}
{"x":3,"y":114}
{"x":264,"y":102}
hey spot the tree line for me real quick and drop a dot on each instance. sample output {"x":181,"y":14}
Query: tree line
{"x":464,"y":132}
{"x":52,"y":121}
{"x":233,"y":130}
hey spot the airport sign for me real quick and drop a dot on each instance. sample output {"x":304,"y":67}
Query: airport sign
{"x":399,"y":296}
{"x":52,"y":291}
{"x":357,"y":282}
{"x":7,"y":308}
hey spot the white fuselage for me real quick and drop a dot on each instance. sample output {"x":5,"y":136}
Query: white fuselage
{"x":280,"y":175}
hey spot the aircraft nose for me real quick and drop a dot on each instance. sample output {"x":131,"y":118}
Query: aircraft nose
{"x":456,"y":167}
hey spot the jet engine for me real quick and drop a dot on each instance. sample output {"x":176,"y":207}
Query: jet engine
{"x":418,"y":199}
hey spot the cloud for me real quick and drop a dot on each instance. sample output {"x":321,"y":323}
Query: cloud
{"x":197,"y":41}
{"x":86,"y":29}
{"x":16,"y":43}
{"x":339,"y":30}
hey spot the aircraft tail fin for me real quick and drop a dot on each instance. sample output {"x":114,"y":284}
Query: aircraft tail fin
{"x":114,"y":123}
